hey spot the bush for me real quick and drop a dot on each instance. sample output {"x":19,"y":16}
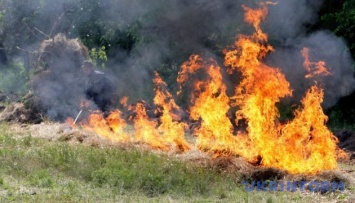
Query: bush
{"x":14,"y":78}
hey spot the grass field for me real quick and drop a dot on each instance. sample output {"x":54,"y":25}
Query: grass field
{"x":37,"y":170}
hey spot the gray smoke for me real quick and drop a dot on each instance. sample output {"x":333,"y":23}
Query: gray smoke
{"x":322,"y":46}
{"x":290,"y":18}
{"x":187,"y":26}
{"x":286,"y":25}
{"x":170,"y":31}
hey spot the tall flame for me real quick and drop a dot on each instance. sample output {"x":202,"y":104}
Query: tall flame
{"x":172,"y":130}
{"x":303,"y":145}
{"x":306,"y":144}
{"x":211,"y":106}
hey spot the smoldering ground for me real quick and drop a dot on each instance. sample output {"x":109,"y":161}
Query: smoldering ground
{"x":170,"y":31}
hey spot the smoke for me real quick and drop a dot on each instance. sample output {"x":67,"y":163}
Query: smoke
{"x":170,"y":31}
{"x":188,"y":27}
{"x":58,"y":89}
{"x":287,"y":25}
{"x":323,"y":46}
{"x":289,"y":19}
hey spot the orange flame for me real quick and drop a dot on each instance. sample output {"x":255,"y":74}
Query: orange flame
{"x":211,"y":106}
{"x":306,"y":144}
{"x":111,"y":128}
{"x":261,"y":87}
{"x":124,"y":101}
{"x":303,"y":145}
{"x":318,"y":66}
{"x":70,"y":122}
{"x":145,"y":129}
{"x":173,"y":131}
{"x":190,"y":66}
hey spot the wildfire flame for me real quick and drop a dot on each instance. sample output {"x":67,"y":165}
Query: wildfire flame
{"x":124,"y":101}
{"x":318,"y":66}
{"x":211,"y":106}
{"x":111,"y":128}
{"x":145,"y":129}
{"x":302,"y":145}
{"x":174,"y":132}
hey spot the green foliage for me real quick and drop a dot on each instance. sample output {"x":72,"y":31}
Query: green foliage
{"x":41,"y":178}
{"x":98,"y":56}
{"x":342,"y":22}
{"x":14,"y":78}
{"x":340,"y":119}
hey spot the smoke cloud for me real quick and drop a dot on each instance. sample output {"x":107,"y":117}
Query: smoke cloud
{"x":286,"y":26}
{"x":172,"y":30}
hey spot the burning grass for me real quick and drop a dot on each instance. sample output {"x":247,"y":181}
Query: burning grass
{"x":303,"y":145}
{"x":218,"y":158}
{"x":34,"y":169}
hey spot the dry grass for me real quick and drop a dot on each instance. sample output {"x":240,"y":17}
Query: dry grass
{"x":232,"y":171}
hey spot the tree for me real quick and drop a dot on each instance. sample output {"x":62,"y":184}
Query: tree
{"x":341,"y":22}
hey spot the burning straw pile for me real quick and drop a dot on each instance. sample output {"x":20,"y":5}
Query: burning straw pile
{"x":304,"y":145}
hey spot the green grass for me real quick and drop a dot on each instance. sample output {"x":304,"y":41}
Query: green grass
{"x":36,"y":170}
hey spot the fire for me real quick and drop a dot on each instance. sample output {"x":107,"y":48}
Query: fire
{"x":303,"y":145}
{"x":318,"y":66}
{"x":187,"y":68}
{"x":306,"y":144}
{"x":70,"y":122}
{"x":173,"y":131}
{"x":260,"y":89}
{"x":124,"y":101}
{"x":111,"y":128}
{"x":211,"y":106}
{"x":169,"y":133}
{"x":145,"y":129}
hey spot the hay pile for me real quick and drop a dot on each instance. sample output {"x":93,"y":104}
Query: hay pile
{"x":55,"y":79}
